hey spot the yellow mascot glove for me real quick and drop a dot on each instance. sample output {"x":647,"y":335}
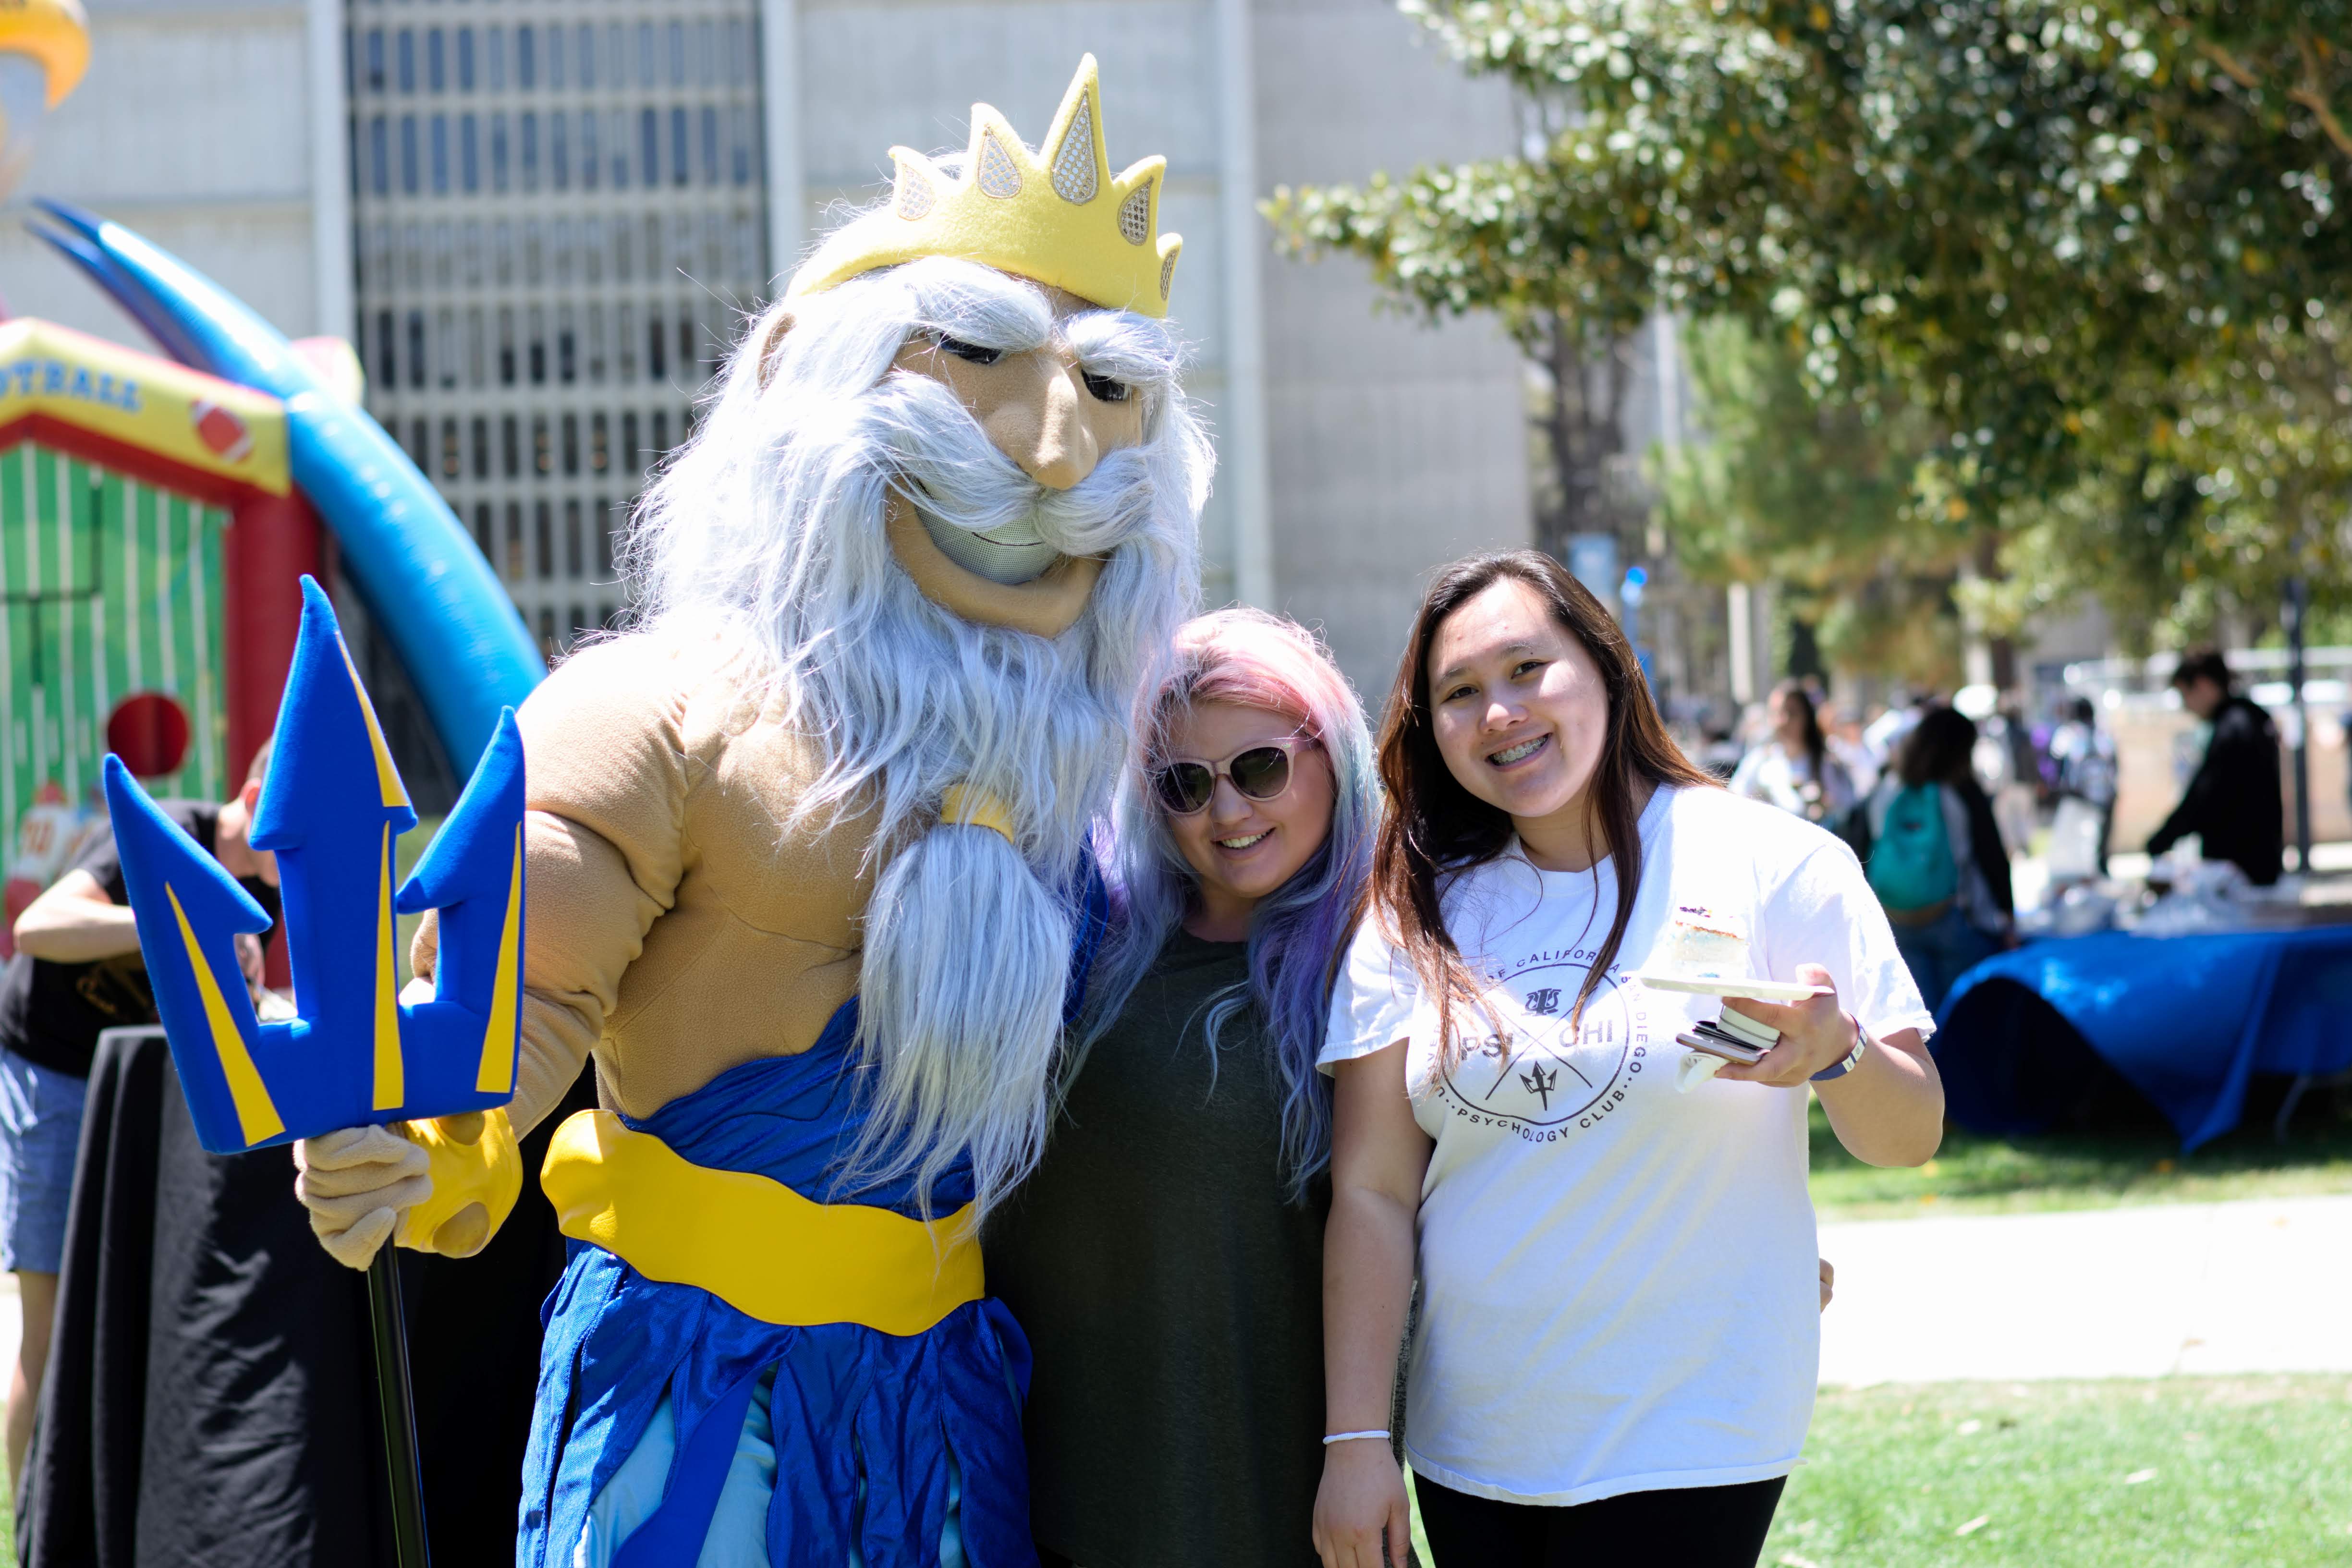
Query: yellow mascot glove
{"x":477,"y":1175}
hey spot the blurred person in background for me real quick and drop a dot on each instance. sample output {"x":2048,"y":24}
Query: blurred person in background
{"x":2084,"y":772}
{"x":1936,"y":860}
{"x":1794,"y":769}
{"x":1846,"y":745}
{"x":1885,"y":735}
{"x":76,"y":971}
{"x":2009,"y":765}
{"x":2234,"y":802}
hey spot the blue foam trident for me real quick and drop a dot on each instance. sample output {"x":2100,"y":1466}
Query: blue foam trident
{"x":331,"y":806}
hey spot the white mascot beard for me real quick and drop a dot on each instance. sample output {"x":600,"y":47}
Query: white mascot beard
{"x":769,"y":526}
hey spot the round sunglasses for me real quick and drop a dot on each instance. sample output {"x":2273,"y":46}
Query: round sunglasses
{"x":1185,"y":785}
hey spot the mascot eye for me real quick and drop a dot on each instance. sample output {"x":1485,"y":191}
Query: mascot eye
{"x":972,"y":352}
{"x":1106,"y":390}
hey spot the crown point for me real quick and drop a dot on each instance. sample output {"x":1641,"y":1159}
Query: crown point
{"x":1135,"y":214}
{"x":914,"y":196}
{"x":999,"y":176}
{"x":1076,"y":170}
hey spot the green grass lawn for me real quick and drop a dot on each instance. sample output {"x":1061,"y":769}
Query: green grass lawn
{"x":2133,"y":1164}
{"x":2197,"y":1472}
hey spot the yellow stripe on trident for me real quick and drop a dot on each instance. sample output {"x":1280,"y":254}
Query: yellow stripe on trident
{"x":257,"y":1115}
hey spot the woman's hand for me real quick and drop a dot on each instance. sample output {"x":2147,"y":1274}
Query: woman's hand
{"x":1361,"y":1507}
{"x":1815,"y":1034}
{"x":1829,"y":1282}
{"x":1888,"y":1110}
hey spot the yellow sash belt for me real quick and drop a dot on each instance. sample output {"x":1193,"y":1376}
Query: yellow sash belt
{"x":754,"y":1243}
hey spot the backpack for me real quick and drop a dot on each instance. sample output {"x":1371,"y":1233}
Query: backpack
{"x":1911,"y":865}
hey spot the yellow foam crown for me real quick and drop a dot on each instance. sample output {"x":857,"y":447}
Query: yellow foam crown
{"x":1056,"y":216}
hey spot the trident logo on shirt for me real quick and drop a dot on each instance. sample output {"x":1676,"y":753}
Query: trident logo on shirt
{"x":1540,"y":1083}
{"x":330,"y":808}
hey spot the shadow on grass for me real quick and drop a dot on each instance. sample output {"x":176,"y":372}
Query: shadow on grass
{"x":2121,"y":1152}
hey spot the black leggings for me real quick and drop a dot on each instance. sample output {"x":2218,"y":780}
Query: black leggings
{"x":1696,"y":1527}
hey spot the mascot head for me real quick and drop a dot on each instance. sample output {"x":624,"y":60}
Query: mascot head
{"x":946,"y":504}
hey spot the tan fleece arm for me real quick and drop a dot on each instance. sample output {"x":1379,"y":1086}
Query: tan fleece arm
{"x":603,"y":852}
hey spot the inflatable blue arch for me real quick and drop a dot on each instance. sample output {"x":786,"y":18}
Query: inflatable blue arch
{"x":414,"y":566}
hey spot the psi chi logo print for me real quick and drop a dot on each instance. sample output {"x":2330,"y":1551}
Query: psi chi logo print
{"x":1548,"y":1078}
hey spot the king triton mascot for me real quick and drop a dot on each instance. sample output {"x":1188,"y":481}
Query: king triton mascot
{"x":808,"y":878}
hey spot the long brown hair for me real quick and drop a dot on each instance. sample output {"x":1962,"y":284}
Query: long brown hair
{"x":1434,"y":828}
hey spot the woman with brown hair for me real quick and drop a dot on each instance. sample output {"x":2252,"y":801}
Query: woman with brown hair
{"x":1617,"y":1343}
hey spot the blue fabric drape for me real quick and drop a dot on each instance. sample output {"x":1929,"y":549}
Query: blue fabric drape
{"x":2185,"y":1020}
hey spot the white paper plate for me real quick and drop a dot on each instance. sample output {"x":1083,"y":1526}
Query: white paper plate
{"x":1761,"y":991}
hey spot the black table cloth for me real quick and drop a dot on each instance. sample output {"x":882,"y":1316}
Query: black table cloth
{"x":210,"y":1396}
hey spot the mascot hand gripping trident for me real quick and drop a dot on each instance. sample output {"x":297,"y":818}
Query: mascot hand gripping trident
{"x":808,"y":878}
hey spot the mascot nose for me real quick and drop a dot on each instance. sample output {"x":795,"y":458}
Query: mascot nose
{"x":1046,"y":431}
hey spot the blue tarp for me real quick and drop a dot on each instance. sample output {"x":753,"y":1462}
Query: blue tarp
{"x":2185,"y":1020}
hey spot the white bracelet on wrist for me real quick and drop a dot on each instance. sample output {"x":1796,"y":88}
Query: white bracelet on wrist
{"x":1351,"y":1437}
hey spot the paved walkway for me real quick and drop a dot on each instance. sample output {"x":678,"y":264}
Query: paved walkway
{"x":2258,"y":1286}
{"x":2261,"y":1286}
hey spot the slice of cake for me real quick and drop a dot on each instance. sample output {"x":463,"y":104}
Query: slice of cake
{"x":1700,"y":945}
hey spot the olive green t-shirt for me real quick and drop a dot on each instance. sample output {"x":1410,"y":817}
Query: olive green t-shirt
{"x":1171,"y":1295}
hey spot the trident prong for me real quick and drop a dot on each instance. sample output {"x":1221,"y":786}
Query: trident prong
{"x":331,"y":808}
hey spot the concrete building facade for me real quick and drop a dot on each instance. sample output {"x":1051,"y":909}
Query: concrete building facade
{"x":537,"y":316}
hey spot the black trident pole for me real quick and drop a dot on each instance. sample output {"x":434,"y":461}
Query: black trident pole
{"x":396,"y":1403}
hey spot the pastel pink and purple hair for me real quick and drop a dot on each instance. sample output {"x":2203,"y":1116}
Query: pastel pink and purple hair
{"x":1250,"y":659}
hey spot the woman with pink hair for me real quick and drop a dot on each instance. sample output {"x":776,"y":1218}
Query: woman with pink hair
{"x":1165,"y":1257}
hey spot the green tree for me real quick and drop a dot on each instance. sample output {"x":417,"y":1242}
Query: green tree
{"x":2066,"y":238}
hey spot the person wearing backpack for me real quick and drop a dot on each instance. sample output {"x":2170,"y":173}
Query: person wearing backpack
{"x":1935,"y":859}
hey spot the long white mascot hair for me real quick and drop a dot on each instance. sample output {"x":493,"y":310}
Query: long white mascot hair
{"x":769,"y":526}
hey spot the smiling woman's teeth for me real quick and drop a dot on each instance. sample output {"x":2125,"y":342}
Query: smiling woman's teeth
{"x":1523,"y":748}
{"x":1240,"y":843}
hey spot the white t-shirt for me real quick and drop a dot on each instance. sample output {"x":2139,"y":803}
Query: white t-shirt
{"x":1618,"y":1279}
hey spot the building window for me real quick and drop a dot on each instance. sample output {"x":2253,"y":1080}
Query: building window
{"x":376,"y":59}
{"x":514,"y":541}
{"x":482,"y":456}
{"x":433,"y":71}
{"x":678,"y":147}
{"x":497,"y":150}
{"x":542,"y":530}
{"x":525,"y":69}
{"x":529,"y":150}
{"x":483,"y":524}
{"x":600,"y":455}
{"x":379,"y":156}
{"x":510,"y":441}
{"x":469,"y":163}
{"x":656,"y":361}
{"x":406,"y":55}
{"x":538,"y":347}
{"x":559,"y":150}
{"x":543,"y":459}
{"x":440,"y":154}
{"x":570,"y":445}
{"x":631,"y":453}
{"x":573,"y":564}
{"x":386,"y":365}
{"x":416,"y":348}
{"x":452,"y":460}
{"x":648,"y":147}
{"x":464,"y":59}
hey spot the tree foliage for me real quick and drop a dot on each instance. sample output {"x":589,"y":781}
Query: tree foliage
{"x":2091,"y":256}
